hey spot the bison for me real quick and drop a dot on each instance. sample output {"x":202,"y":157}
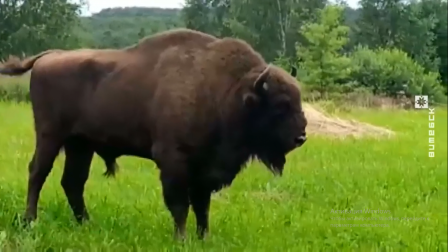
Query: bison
{"x":199,"y":106}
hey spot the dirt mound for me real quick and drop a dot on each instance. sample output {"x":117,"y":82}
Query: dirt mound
{"x":321,"y":124}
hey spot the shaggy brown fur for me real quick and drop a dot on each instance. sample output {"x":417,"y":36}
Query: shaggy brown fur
{"x":199,"y":106}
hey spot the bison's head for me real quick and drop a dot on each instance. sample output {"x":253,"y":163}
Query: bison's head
{"x":276,"y":122}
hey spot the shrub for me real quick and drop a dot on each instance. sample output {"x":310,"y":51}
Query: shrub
{"x":389,"y":71}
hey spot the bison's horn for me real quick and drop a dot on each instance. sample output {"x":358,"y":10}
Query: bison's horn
{"x":260,"y":82}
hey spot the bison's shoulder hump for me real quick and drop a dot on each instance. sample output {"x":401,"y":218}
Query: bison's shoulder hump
{"x":236,"y":52}
{"x":176,"y":36}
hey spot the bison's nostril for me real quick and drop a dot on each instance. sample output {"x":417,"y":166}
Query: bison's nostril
{"x":300,"y":140}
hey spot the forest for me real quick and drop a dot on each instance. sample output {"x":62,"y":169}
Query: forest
{"x":385,"y":47}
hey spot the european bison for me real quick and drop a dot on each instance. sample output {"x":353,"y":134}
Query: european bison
{"x":199,"y":106}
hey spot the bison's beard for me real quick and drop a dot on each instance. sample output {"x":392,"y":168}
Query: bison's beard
{"x":274,"y":162}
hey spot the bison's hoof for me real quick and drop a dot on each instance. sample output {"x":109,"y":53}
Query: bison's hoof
{"x":180,"y":236}
{"x":81,"y":219}
{"x":22,"y":221}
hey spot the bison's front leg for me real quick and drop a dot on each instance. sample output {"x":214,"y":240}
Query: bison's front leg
{"x":174,"y":178}
{"x":200,"y":201}
{"x":175,"y":194}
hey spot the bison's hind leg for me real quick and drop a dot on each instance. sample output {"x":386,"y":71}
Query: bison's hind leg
{"x":47,"y":149}
{"x":78,"y":157}
{"x":111,"y":167}
{"x":110,"y":160}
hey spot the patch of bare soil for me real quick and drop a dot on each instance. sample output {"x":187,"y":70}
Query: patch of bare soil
{"x":321,"y":124}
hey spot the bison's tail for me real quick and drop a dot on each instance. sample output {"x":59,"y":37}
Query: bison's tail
{"x":14,"y":66}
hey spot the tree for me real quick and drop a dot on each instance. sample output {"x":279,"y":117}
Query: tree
{"x":410,"y":26}
{"x":32,"y":26}
{"x":439,"y":10}
{"x":321,"y":57}
{"x":418,"y":35}
{"x":195,"y":15}
{"x":378,"y":24}
{"x":269,"y":26}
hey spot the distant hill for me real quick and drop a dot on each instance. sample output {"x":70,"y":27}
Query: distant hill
{"x":120,"y":27}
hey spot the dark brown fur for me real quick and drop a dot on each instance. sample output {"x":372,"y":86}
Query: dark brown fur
{"x":14,"y":66}
{"x":199,"y":106}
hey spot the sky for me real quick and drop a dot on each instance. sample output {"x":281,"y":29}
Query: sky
{"x":97,"y":5}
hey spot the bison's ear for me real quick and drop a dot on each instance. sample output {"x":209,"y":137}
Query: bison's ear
{"x":260,"y":84}
{"x":293,"y":71}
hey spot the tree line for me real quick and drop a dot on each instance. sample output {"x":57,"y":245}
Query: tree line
{"x":386,"y":47}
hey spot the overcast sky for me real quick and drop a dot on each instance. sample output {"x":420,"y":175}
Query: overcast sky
{"x":97,"y":5}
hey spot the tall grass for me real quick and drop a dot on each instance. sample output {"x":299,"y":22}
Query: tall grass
{"x":15,"y":89}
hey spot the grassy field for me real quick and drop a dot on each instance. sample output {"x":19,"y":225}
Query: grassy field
{"x":298,"y":212}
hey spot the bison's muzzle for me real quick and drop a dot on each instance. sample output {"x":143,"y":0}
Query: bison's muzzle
{"x":299,"y":141}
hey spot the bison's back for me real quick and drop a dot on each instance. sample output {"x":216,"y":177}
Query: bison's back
{"x":62,"y":82}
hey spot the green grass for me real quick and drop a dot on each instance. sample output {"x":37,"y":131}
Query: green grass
{"x":258,"y":212}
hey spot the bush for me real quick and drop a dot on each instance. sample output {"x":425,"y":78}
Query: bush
{"x":389,"y":71}
{"x":15,"y":89}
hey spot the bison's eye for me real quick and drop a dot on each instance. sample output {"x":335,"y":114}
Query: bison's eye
{"x":283,"y":106}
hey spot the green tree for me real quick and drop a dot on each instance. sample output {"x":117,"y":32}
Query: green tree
{"x":31,"y":26}
{"x":196,"y":15}
{"x":378,"y":24}
{"x":321,"y":59}
{"x":439,"y":10}
{"x":418,"y":35}
{"x":269,"y":26}
{"x":141,"y":33}
{"x":411,"y":26}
